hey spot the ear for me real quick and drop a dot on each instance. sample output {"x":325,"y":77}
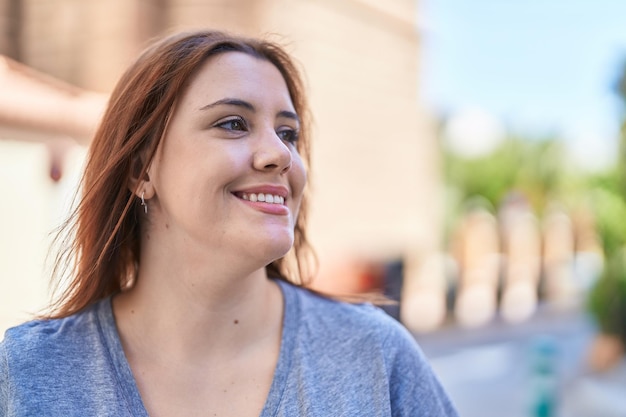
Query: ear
{"x":140,"y":187}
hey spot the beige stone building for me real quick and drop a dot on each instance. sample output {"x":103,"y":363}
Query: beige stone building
{"x":375,"y":176}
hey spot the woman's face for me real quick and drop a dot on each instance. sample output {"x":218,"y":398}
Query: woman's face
{"x":227,"y":176}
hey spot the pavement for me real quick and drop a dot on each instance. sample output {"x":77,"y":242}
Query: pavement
{"x":536,"y":368}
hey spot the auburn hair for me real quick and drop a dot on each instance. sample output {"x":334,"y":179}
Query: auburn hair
{"x":100,"y":242}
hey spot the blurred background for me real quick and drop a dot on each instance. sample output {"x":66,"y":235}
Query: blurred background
{"x":467,"y":162}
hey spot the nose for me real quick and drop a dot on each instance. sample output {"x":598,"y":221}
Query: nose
{"x":272,"y":153}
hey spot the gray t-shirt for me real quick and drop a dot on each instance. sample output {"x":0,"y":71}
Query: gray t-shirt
{"x":336,"y":359}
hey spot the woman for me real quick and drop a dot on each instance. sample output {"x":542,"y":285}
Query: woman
{"x":189,"y":254}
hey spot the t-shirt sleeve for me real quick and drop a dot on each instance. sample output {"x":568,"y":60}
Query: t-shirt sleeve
{"x":4,"y":382}
{"x":414,"y":388}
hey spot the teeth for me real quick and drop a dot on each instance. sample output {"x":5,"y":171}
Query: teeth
{"x":266,"y":198}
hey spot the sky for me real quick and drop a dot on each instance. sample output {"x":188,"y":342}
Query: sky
{"x":537,"y":66}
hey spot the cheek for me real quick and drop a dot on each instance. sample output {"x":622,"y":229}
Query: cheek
{"x":298,"y":176}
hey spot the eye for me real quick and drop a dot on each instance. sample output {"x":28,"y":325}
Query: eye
{"x":288,"y":135}
{"x":235,"y":123}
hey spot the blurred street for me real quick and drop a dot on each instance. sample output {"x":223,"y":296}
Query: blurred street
{"x":491,"y":371}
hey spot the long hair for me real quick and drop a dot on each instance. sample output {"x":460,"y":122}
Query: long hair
{"x":101,"y":240}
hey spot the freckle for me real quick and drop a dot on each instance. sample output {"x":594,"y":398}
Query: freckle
{"x":132,"y":311}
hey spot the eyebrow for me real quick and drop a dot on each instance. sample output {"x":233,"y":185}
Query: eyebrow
{"x":289,"y":115}
{"x":229,"y":102}
{"x":242,"y":103}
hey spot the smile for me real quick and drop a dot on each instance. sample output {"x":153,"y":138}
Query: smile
{"x":263,"y":198}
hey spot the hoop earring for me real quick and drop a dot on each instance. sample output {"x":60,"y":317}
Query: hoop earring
{"x":143,"y":203}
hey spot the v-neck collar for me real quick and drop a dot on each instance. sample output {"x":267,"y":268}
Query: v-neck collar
{"x":126,"y":380}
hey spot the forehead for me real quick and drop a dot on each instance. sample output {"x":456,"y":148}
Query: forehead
{"x":237,"y":75}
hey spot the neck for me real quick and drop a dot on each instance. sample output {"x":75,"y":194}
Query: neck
{"x":196,"y":309}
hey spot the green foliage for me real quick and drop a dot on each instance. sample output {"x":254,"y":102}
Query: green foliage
{"x":610,"y":213}
{"x":533,"y":167}
{"x":607,"y":300}
{"x":536,"y":169}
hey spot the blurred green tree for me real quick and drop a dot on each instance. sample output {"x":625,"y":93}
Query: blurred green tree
{"x":529,"y":165}
{"x":607,"y":300}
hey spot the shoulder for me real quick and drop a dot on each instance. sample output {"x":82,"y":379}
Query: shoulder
{"x":41,"y":350}
{"x":339,"y":344}
{"x":351,"y":323}
{"x":63,"y":367}
{"x":47,"y":335}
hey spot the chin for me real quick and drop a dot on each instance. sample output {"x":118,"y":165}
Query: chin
{"x":262,"y":245}
{"x":276,"y":247}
